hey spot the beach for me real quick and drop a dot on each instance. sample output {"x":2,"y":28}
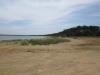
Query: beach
{"x":79,"y":56}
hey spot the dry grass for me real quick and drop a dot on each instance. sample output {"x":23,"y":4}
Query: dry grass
{"x":91,"y":42}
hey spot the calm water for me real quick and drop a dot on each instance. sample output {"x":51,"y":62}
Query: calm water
{"x":21,"y":37}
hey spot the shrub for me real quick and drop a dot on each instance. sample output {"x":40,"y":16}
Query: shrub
{"x":24,"y":42}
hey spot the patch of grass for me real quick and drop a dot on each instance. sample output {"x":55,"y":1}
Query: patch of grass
{"x":24,"y":42}
{"x":46,"y":41}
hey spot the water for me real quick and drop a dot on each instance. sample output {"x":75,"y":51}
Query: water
{"x":21,"y":37}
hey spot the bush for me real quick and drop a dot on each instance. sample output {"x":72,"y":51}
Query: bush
{"x":24,"y":42}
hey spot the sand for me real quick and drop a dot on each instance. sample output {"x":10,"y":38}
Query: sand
{"x":80,"y":56}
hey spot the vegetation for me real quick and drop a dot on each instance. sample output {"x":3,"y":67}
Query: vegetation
{"x":45,"y":41}
{"x":42,"y":41}
{"x":80,"y":31}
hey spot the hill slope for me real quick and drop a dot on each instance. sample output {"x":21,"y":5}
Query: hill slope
{"x":80,"y":31}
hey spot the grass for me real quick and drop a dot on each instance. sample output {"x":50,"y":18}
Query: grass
{"x":45,"y":41}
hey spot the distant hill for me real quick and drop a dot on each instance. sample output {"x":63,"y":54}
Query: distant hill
{"x":80,"y":31}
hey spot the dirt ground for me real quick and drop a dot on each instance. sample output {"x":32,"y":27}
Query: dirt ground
{"x":80,"y":56}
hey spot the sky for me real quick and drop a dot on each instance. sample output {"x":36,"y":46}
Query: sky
{"x":39,"y":17}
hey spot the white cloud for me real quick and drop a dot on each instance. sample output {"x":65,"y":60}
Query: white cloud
{"x":39,"y":11}
{"x":45,"y":15}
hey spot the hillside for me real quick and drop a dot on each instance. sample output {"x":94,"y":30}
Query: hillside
{"x":80,"y":31}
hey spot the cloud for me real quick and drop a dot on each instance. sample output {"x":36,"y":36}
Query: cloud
{"x":89,"y":15}
{"x":38,"y":14}
{"x":39,"y":11}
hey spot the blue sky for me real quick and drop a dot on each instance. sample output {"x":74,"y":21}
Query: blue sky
{"x":46,"y":16}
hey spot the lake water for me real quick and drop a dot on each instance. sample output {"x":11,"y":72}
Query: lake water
{"x":21,"y":37}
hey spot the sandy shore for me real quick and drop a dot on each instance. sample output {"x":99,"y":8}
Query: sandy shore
{"x":80,"y":56}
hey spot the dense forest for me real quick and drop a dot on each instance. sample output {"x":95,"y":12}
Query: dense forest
{"x":80,"y":31}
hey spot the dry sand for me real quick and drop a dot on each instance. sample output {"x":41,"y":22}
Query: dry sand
{"x":80,"y":56}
